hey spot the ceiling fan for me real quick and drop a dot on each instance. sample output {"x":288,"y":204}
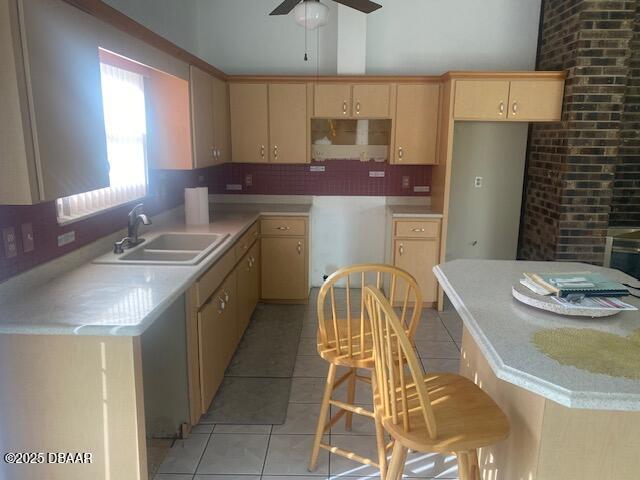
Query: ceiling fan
{"x":364,"y":6}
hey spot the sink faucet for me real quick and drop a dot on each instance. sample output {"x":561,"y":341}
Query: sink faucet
{"x":131,"y":240}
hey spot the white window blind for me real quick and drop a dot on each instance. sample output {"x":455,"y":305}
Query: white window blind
{"x":126,"y":129}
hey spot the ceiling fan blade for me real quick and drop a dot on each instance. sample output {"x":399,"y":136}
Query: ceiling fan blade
{"x":364,"y":6}
{"x":285,"y":7}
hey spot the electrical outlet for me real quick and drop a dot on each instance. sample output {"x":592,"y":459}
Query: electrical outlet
{"x":10,"y":242}
{"x":27,"y":237}
{"x":248,"y":180}
{"x":405,"y":182}
{"x":66,"y":238}
{"x":376,"y":173}
{"x":316,"y":168}
{"x":421,"y":189}
{"x":234,"y":187}
{"x":478,"y":182}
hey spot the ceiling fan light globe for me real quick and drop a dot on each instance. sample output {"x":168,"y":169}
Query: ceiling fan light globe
{"x":311,"y":15}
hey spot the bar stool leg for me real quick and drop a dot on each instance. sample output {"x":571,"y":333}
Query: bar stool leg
{"x":474,"y":464}
{"x":381,"y":446}
{"x":322,"y":417}
{"x":464,"y":469}
{"x":396,"y":466}
{"x":351,"y":398}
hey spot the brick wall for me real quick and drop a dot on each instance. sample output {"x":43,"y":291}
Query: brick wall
{"x":572,"y":165}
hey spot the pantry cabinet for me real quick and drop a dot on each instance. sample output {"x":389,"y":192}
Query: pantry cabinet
{"x":285,"y":259}
{"x":288,"y":123}
{"x":416,"y":125}
{"x":249,"y":122}
{"x":517,"y":100}
{"x":416,"y":249}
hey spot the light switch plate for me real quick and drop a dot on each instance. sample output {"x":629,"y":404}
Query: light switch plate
{"x":405,"y":182}
{"x":317,"y":168}
{"x":421,"y":189}
{"x":27,"y":237}
{"x":376,"y":173}
{"x":478,"y":182}
{"x":10,"y":242}
{"x":248,"y":180}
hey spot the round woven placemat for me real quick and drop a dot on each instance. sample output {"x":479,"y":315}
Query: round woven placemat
{"x":592,"y":350}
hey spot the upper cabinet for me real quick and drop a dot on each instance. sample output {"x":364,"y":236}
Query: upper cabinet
{"x":288,"y":122}
{"x":524,"y":100}
{"x":269,"y":122}
{"x":249,"y":122}
{"x":371,"y":101}
{"x":416,"y":125}
{"x":343,"y":100}
{"x":51,"y":144}
{"x":209,"y":119}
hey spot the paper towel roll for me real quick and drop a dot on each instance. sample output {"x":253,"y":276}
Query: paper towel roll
{"x":203,"y":205}
{"x":191,"y":206}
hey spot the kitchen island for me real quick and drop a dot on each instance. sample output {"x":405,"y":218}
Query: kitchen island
{"x":567,"y":421}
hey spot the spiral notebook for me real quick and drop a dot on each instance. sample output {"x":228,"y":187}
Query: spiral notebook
{"x":584,"y":283}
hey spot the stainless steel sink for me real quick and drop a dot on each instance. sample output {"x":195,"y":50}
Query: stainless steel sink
{"x":168,"y":249}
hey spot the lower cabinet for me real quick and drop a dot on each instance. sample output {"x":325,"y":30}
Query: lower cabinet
{"x":217,"y":338}
{"x":416,"y":249}
{"x":248,"y":288}
{"x":285,"y":259}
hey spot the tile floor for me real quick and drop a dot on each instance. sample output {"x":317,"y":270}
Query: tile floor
{"x":281,"y":452}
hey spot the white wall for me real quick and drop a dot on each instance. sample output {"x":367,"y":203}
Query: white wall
{"x":239,"y":37}
{"x":434,"y":36}
{"x":174,"y":20}
{"x":484,"y":222}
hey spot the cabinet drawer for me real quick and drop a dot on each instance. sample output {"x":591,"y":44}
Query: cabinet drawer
{"x":244,"y":244}
{"x":283,"y":226}
{"x":208,"y":282}
{"x":417,"y":229}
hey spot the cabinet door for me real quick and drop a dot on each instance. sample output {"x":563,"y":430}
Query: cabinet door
{"x":284,"y":273}
{"x":481,"y":99}
{"x":256,"y":267}
{"x":371,"y":101}
{"x":288,"y":123}
{"x":416,"y":124}
{"x":61,"y":53}
{"x":249,"y":122}
{"x":221,"y":127}
{"x":418,"y":257}
{"x":244,"y":294}
{"x":202,"y":117}
{"x":535,"y":100}
{"x":332,"y":100}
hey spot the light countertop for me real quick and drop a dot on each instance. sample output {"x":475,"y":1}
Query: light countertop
{"x":413,"y":211}
{"x":99,"y":299}
{"x":503,"y":328}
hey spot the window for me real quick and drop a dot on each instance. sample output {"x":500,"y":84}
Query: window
{"x":126,"y":129}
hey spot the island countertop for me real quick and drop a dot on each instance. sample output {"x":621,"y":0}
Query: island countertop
{"x":124,"y":300}
{"x":503,"y":329}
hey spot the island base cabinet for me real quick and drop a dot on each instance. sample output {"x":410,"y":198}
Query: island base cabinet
{"x":548,"y":441}
{"x":284,"y":268}
{"x":217,"y":338}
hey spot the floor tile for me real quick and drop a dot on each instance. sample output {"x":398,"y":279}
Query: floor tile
{"x":431,"y":465}
{"x":301,"y":419}
{"x":307,"y":390}
{"x":172,"y":476}
{"x":309,"y":330}
{"x":202,"y":428}
{"x":310,"y":366}
{"x":234,"y":454}
{"x":441,"y":365}
{"x":364,"y":396}
{"x":308,"y":346}
{"x":247,"y":429}
{"x":430,"y":349}
{"x":289,"y":455}
{"x":363,"y":445}
{"x":432,"y":330}
{"x":184,"y":455}
{"x":292,"y":477}
{"x":361,"y":425}
{"x":226,"y":477}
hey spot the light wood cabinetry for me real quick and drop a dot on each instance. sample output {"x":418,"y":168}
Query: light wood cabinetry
{"x":217,"y":338}
{"x":332,"y":100}
{"x":249,"y":122}
{"x":416,"y":125}
{"x":51,"y":144}
{"x":285,"y":259}
{"x":518,"y":100}
{"x":202,"y":126}
{"x":416,"y":249}
{"x":288,"y":123}
{"x":248,"y":276}
{"x":371,"y":101}
{"x":221,"y":122}
{"x":535,"y":100}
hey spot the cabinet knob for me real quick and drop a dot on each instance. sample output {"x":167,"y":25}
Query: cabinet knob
{"x":221,"y":305}
{"x":226,"y":297}
{"x":514,"y":108}
{"x":275,"y":152}
{"x":418,"y":230}
{"x":344,"y":107}
{"x":249,"y":264}
{"x":283,"y":228}
{"x":299,"y":248}
{"x":262,"y":151}
{"x":501,"y":108}
{"x":401,"y":249}
{"x":213,"y":152}
{"x":358,"y":108}
{"x":400,"y":153}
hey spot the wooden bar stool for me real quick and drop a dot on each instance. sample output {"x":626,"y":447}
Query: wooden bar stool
{"x":436,"y":412}
{"x":345,"y":340}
